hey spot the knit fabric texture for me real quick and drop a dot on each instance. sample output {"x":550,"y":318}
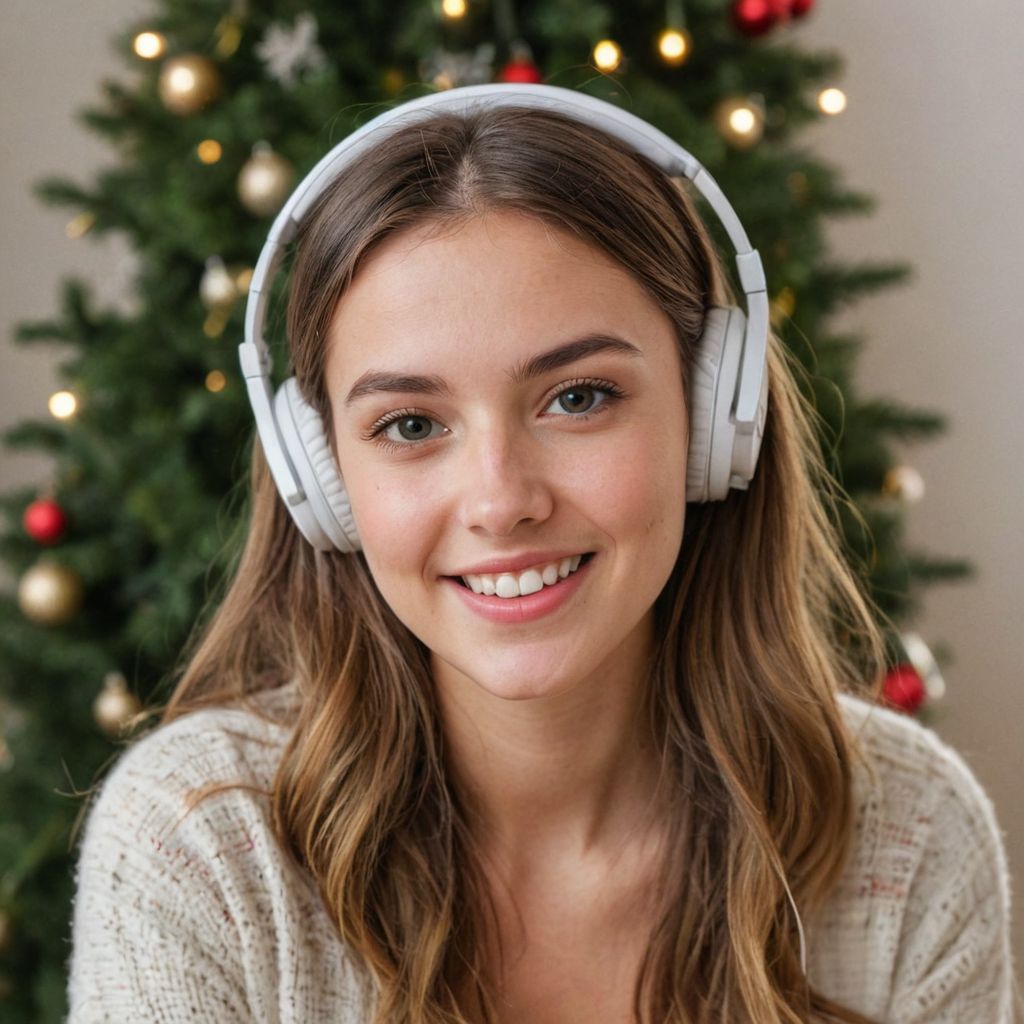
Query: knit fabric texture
{"x":188,"y":915}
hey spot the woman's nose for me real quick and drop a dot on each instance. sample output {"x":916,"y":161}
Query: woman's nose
{"x":503,"y":484}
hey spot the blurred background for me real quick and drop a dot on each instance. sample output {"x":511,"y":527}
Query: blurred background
{"x":933,"y":95}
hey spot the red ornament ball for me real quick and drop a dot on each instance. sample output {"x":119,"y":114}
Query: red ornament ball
{"x":798,"y":8}
{"x":755,"y":17}
{"x":521,"y":71}
{"x":904,"y":688}
{"x":44,"y":521}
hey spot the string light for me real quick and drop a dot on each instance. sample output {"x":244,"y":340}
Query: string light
{"x":62,"y":405}
{"x":149,"y":45}
{"x":216,"y":381}
{"x":740,"y":120}
{"x":209,"y":150}
{"x":453,"y":8}
{"x":607,"y":55}
{"x":832,"y":101}
{"x":674,"y":45}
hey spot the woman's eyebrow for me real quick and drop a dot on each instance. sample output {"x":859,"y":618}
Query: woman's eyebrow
{"x":374,"y":381}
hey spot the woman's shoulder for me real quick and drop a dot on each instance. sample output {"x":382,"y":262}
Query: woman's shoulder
{"x":918,"y":927}
{"x":223,"y":744}
{"x":906,"y":763}
{"x":192,"y":781}
{"x":916,"y":793}
{"x":194,"y":791}
{"x":181,"y":875}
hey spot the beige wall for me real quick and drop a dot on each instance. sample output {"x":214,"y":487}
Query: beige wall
{"x":935,"y":98}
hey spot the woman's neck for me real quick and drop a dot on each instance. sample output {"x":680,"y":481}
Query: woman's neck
{"x":562,"y":776}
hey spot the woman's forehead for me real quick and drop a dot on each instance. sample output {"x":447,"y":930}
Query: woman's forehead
{"x":502,"y":285}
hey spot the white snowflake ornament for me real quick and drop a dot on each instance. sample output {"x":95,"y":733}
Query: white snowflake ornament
{"x":287,"y":53}
{"x":447,"y":70}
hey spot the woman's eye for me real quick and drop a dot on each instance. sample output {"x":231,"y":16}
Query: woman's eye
{"x":580,"y":399}
{"x":408,"y":429}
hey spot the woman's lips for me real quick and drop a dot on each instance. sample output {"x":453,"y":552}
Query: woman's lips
{"x":522,"y":609}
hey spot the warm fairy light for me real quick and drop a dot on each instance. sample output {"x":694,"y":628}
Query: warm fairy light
{"x":454,"y":8}
{"x":742,"y":120}
{"x":62,"y":405}
{"x":78,"y":226}
{"x":150,"y":45}
{"x":243,"y":278}
{"x":832,"y":101}
{"x":607,"y":55}
{"x":209,"y":151}
{"x":216,"y":381}
{"x":674,"y":46}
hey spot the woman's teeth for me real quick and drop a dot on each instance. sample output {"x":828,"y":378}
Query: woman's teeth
{"x":508,"y":584}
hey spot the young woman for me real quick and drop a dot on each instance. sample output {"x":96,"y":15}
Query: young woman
{"x":555,"y":711}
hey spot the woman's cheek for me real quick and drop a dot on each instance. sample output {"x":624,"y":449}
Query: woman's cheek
{"x":394,"y":513}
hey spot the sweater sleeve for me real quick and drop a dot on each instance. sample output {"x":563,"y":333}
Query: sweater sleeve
{"x":954,"y":962}
{"x":153,"y":935}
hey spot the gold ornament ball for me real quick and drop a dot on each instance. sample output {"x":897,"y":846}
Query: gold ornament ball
{"x":217,"y":289}
{"x":115,"y":706}
{"x":188,"y":83}
{"x":264,"y":181}
{"x":904,"y":483}
{"x":50,"y":594}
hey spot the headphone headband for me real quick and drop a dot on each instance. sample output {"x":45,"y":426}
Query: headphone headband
{"x":632,"y":130}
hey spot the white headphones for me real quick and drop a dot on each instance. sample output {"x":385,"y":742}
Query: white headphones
{"x":728,"y":395}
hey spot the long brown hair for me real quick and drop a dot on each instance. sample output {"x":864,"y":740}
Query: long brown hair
{"x":760,"y":626}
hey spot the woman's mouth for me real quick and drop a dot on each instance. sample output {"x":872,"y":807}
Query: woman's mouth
{"x":528,"y":581}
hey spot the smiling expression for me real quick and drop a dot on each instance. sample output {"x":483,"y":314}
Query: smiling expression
{"x":506,"y":398}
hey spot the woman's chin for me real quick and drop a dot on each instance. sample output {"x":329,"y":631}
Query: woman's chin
{"x":523,"y":680}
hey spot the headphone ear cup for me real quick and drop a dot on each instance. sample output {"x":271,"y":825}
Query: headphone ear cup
{"x":325,"y":517}
{"x":711,"y":393}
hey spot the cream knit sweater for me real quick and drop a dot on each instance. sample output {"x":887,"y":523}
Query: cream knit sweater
{"x":200,"y":918}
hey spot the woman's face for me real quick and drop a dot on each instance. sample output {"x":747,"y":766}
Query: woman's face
{"x":507,"y":398}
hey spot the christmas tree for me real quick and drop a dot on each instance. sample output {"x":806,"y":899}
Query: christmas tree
{"x":221,"y":105}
